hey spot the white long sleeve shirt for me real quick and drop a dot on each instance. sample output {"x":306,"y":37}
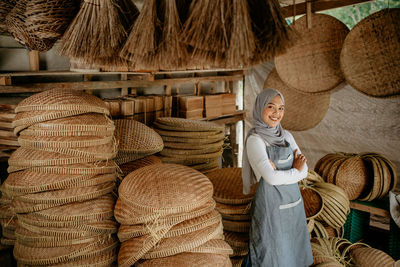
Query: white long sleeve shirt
{"x":259,"y":162}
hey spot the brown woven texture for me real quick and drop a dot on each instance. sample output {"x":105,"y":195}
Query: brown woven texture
{"x":165,"y":187}
{"x":125,"y":157}
{"x":194,"y":140}
{"x":16,"y":25}
{"x":352,"y":177}
{"x":312,"y":64}
{"x":188,"y":259}
{"x":188,"y":157}
{"x":237,"y":261}
{"x":313,"y":202}
{"x":134,"y":136}
{"x":46,"y":256}
{"x":234,"y":239}
{"x":190,"y":161}
{"x":236,"y":226}
{"x":131,"y":166}
{"x":88,"y":124}
{"x":5,"y":7}
{"x":215,"y":246}
{"x":186,"y":125}
{"x":49,"y":19}
{"x":228,"y":186}
{"x":369,"y":257}
{"x":174,"y":245}
{"x":172,"y":152}
{"x":203,"y":135}
{"x":39,"y":142}
{"x":370,"y":62}
{"x":302,"y":111}
{"x":176,"y":145}
{"x":126,"y":214}
{"x":236,"y":217}
{"x":105,"y":259}
{"x":240,"y":251}
{"x":233,"y":209}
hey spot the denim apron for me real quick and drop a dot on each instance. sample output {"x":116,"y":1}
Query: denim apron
{"x":278,"y":234}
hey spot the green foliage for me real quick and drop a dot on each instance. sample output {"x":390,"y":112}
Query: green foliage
{"x":351,"y":15}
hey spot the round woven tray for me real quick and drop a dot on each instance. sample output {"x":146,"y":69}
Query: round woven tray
{"x":369,"y":257}
{"x":203,"y":135}
{"x":312,"y":64}
{"x":165,"y":187}
{"x":240,"y":240}
{"x":174,"y":245}
{"x":188,"y":162}
{"x":237,"y":261}
{"x":188,"y":157}
{"x":63,"y":100}
{"x":189,"y":259}
{"x":236,"y":226}
{"x":47,"y":256}
{"x":236,"y":217}
{"x":313,"y":202}
{"x":172,"y":152}
{"x":240,"y":251}
{"x":374,"y":187}
{"x":352,"y":177}
{"x":215,"y":246}
{"x":88,"y":124}
{"x":228,"y":186}
{"x":39,"y":142}
{"x":233,"y":209}
{"x":180,"y":124}
{"x":193,"y":146}
{"x":302,"y":111}
{"x":131,"y":166}
{"x":126,"y":232}
{"x":194,"y":140}
{"x":205,"y":166}
{"x":126,"y":214}
{"x":125,"y":157}
{"x":370,"y":60}
{"x":336,"y":162}
{"x":134,"y":136}
{"x":102,"y":260}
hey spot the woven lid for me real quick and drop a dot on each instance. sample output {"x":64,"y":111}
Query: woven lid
{"x":189,"y":161}
{"x":240,"y":251}
{"x":312,"y":64}
{"x":215,"y":246}
{"x":47,"y":256}
{"x":374,"y":183}
{"x":240,"y":240}
{"x":172,"y":152}
{"x":125,"y":157}
{"x":331,"y":171}
{"x":236,"y":226}
{"x":187,"y":157}
{"x":302,"y":111}
{"x":236,"y":217}
{"x":233,"y":209}
{"x":174,"y":245}
{"x":166,"y":187}
{"x":369,"y":257}
{"x":188,"y":259}
{"x":135,"y":136}
{"x":194,"y":140}
{"x":63,"y":99}
{"x":177,"y":145}
{"x":131,"y":166}
{"x":39,"y":142}
{"x":313,"y":202}
{"x":203,"y":135}
{"x":386,"y":177}
{"x":126,"y":214}
{"x":228,"y":186}
{"x":352,"y":177}
{"x":370,"y":60}
{"x":180,"y":124}
{"x":91,"y":124}
{"x":126,"y":232}
{"x":104,"y":259}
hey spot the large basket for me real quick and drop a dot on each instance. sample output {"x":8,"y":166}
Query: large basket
{"x":186,"y":125}
{"x":302,"y":111}
{"x":188,"y":259}
{"x":5,"y":7}
{"x":370,"y":60}
{"x":131,"y":166}
{"x":352,"y":177}
{"x":312,"y":64}
{"x":313,"y":201}
{"x":370,"y":257}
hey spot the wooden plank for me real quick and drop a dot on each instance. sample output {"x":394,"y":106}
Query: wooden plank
{"x":372,"y":210}
{"x":319,"y":6}
{"x":229,"y":118}
{"x":34,"y":60}
{"x":309,"y":12}
{"x":125,"y":90}
{"x":5,"y":80}
{"x":100,"y":85}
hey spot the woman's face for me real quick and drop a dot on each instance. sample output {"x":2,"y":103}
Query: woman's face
{"x":273,"y":112}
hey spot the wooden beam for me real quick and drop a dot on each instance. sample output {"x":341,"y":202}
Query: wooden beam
{"x":5,"y":80}
{"x":370,"y":209}
{"x":319,"y":6}
{"x":99,"y":85}
{"x":34,"y":60}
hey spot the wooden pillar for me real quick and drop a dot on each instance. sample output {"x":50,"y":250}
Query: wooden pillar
{"x":34,"y":60}
{"x":309,"y":12}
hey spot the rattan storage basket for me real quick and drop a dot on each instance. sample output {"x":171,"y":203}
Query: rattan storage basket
{"x":186,"y":125}
{"x":369,"y":257}
{"x":313,"y":201}
{"x":131,"y":166}
{"x":189,"y":259}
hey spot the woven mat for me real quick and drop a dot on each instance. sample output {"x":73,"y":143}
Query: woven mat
{"x":352,"y":177}
{"x":215,"y":246}
{"x":104,"y":259}
{"x":194,"y":140}
{"x":192,"y":156}
{"x":193,"y":146}
{"x":189,"y":259}
{"x":228,"y":186}
{"x":131,"y":166}
{"x":180,"y":124}
{"x":165,"y":187}
{"x":233,"y":209}
{"x":302,"y":111}
{"x":188,"y":162}
{"x":38,"y":142}
{"x":203,"y":135}
{"x":312,"y":64}
{"x":371,"y":257}
{"x":370,"y":60}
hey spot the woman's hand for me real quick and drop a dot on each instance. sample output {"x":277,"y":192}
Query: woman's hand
{"x":299,"y":161}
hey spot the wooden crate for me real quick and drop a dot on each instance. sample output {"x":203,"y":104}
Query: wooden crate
{"x":212,"y":105}
{"x":228,"y":103}
{"x":189,"y":103}
{"x":192,"y":114}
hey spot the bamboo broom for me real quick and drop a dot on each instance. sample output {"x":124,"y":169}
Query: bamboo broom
{"x":95,"y":33}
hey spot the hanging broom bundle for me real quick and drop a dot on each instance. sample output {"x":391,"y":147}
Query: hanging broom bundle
{"x":5,"y":7}
{"x":128,"y":12}
{"x":50,"y":18}
{"x":141,"y":46}
{"x":16,"y":26}
{"x":270,"y":28}
{"x":96,"y":33}
{"x":207,"y":32}
{"x":242,"y":44}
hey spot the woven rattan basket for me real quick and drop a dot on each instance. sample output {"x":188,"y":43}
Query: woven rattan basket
{"x":186,"y":125}
{"x":236,"y":226}
{"x":228,"y":186}
{"x":313,"y":201}
{"x":172,"y":152}
{"x":240,"y":240}
{"x":189,"y":259}
{"x":369,"y":257}
{"x":166,"y":187}
{"x":5,"y":7}
{"x":186,"y":134}
{"x":105,"y":259}
{"x":215,"y":246}
{"x":131,"y":166}
{"x":39,"y":142}
{"x":369,"y":58}
{"x":193,"y":140}
{"x":302,"y":111}
{"x":312,"y":64}
{"x":189,"y":161}
{"x":233,"y":209}
{"x":176,"y":145}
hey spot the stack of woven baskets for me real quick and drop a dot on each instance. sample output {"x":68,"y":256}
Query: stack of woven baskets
{"x":8,"y":221}
{"x":61,"y":180}
{"x":234,"y":207}
{"x":8,"y":140}
{"x":168,"y":216}
{"x":197,"y":144}
{"x":364,"y":176}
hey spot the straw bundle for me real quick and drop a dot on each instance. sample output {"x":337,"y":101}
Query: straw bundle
{"x":5,"y":7}
{"x":171,"y":212}
{"x":97,"y":33}
{"x":61,"y":186}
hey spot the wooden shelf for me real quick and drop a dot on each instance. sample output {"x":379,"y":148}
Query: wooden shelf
{"x":228,"y":118}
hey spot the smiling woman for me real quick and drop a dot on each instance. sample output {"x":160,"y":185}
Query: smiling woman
{"x":273,"y":113}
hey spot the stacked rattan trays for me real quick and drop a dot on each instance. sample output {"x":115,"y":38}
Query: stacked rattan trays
{"x":61,"y":180}
{"x":167,"y":214}
{"x":368,"y":257}
{"x":365,"y":176}
{"x":8,"y":140}
{"x":8,"y":222}
{"x":135,"y":141}
{"x":197,"y":144}
{"x":234,"y":207}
